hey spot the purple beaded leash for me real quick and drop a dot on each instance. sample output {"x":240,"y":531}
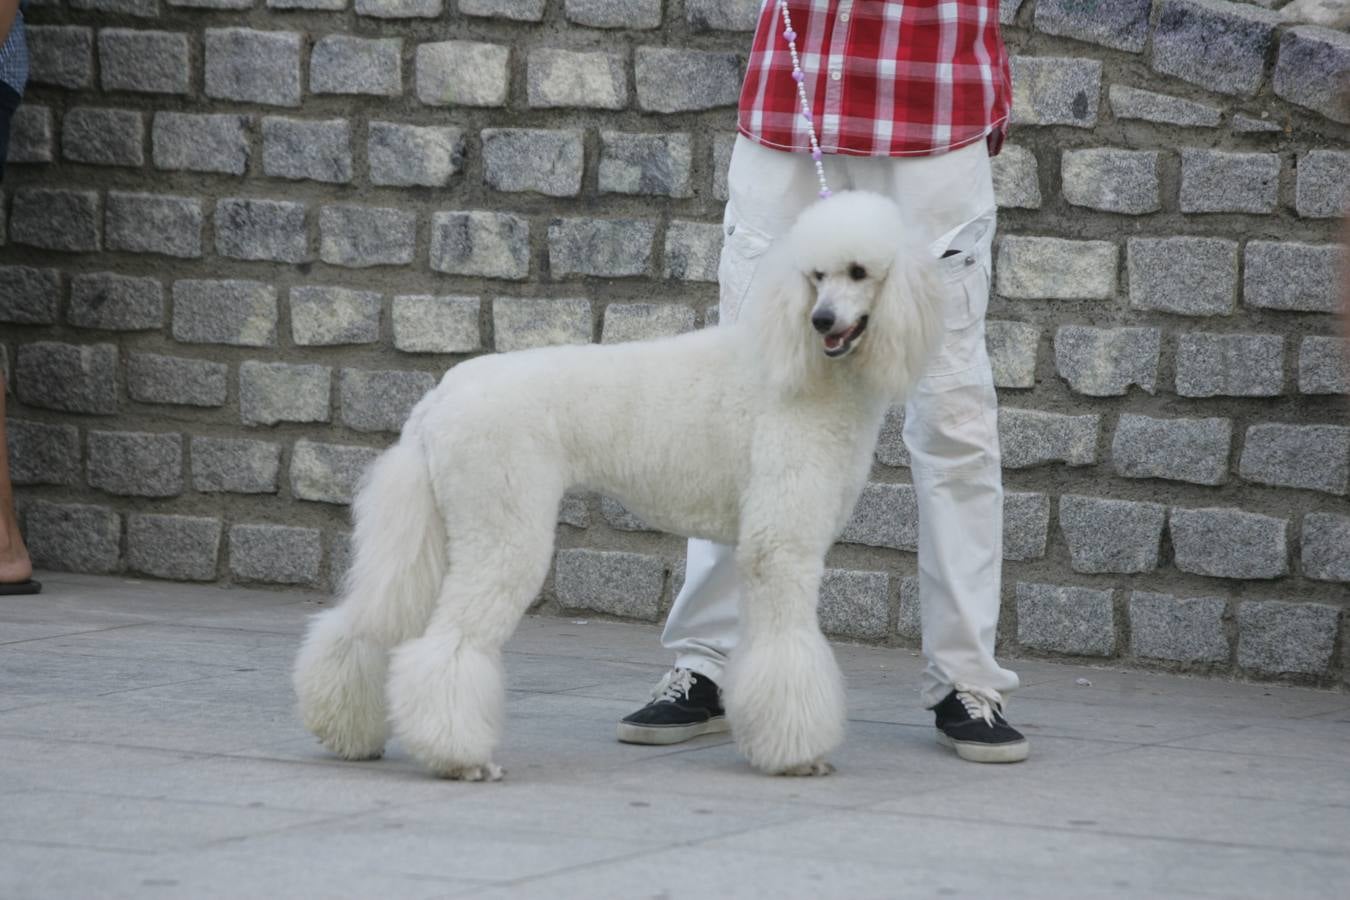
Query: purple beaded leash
{"x":799,"y":76}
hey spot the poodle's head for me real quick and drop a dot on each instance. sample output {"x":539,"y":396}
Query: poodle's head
{"x":852,"y":292}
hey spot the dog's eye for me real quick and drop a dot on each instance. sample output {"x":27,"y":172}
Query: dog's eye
{"x":818,"y":275}
{"x":857,"y":272}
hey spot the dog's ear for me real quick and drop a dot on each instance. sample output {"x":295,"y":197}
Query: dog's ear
{"x":778,"y":311}
{"x":906,"y":322}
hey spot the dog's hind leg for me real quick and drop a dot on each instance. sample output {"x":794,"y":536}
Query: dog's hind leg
{"x":399,"y":546}
{"x":446,"y":690}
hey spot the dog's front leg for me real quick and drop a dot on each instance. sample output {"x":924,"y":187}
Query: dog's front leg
{"x":784,"y":691}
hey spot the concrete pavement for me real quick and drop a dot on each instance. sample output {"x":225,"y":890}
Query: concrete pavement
{"x":148,"y":748}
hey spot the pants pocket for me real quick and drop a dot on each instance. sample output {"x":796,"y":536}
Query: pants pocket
{"x":742,"y":247}
{"x":965,"y":263}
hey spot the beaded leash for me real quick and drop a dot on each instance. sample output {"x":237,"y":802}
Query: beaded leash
{"x":799,"y":76}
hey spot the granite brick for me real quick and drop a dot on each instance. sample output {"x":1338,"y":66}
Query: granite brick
{"x":66,"y":377}
{"x":1191,"y":450}
{"x":103,"y":137}
{"x":1277,"y":638}
{"x":519,"y":323}
{"x":1230,"y":365}
{"x":1107,"y":535}
{"x":620,"y":584}
{"x":575,"y":79}
{"x":413,"y":155}
{"x":1322,"y":366}
{"x":644,"y":321}
{"x":323,"y":316}
{"x":153,"y":223}
{"x":40,"y":453}
{"x":1326,"y":547}
{"x":253,"y":66}
{"x":673,"y":80}
{"x":237,"y":312}
{"x":29,"y":296}
{"x":380,"y":400}
{"x":1311,"y":69}
{"x":463,"y":73}
{"x":328,"y":473}
{"x":886,"y":515}
{"x":1150,"y":106}
{"x":1179,"y":629}
{"x":74,"y":537}
{"x":181,"y":548}
{"x":136,"y":464}
{"x":608,"y":248}
{"x":281,"y":392}
{"x":1047,"y":268}
{"x":523,"y":159}
{"x":271,"y":230}
{"x":1229,"y":543}
{"x":477,"y":242}
{"x":1105,"y":362}
{"x":1220,"y":46}
{"x":301,"y":149}
{"x":1213,"y":181}
{"x":1323,"y":186}
{"x":855,"y":604}
{"x":1055,"y":91}
{"x":1031,"y":437}
{"x":1311,"y":457}
{"x":1077,"y":621}
{"x":363,"y":236}
{"x":279,"y":554}
{"x":55,"y":219}
{"x":150,"y":62}
{"x":216,"y":143}
{"x":1187,"y":276}
{"x":236,"y":466}
{"x":1292,"y":277}
{"x":153,"y":378}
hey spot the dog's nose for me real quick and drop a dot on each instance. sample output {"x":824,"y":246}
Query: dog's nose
{"x":822,"y":320}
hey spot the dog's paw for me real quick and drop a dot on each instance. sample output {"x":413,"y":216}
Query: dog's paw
{"x":485,"y":772}
{"x":805,"y":770}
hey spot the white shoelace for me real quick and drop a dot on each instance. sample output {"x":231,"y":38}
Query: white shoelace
{"x":980,"y":703}
{"x":675,"y":685}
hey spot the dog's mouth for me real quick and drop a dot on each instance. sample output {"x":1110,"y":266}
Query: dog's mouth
{"x":837,"y":345}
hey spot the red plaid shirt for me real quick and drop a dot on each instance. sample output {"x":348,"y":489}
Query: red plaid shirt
{"x":884,"y":77}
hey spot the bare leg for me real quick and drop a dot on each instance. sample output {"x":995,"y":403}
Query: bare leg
{"x":15,"y":566}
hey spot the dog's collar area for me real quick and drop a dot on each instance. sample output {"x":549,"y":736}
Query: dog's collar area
{"x":837,"y":345}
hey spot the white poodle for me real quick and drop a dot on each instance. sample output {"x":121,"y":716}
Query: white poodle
{"x":758,"y":434}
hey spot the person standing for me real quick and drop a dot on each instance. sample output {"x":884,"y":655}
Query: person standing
{"x":908,"y":98}
{"x":13,"y":69}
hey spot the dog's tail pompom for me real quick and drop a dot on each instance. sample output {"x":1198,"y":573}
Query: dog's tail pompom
{"x":399,"y":552}
{"x":910,"y":326}
{"x":339,"y":681}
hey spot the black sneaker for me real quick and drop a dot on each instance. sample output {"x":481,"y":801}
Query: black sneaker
{"x":970,"y":721}
{"x":684,"y":705}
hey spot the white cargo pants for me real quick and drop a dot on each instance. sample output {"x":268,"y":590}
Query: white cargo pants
{"x":950,"y":420}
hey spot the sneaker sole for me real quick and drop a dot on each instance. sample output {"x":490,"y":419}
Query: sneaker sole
{"x":986,"y":753}
{"x":670,"y":734}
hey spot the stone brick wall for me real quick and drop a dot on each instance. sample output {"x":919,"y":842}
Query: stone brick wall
{"x":242,"y":237}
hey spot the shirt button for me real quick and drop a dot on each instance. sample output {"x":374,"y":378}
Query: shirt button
{"x":843,"y":17}
{"x":835,"y":75}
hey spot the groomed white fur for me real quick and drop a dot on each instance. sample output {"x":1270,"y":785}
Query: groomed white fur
{"x":747,"y":434}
